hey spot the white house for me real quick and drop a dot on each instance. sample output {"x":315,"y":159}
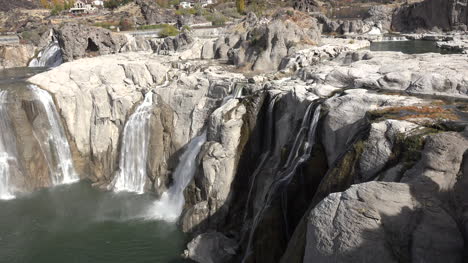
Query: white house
{"x":186,"y":4}
{"x":82,"y":6}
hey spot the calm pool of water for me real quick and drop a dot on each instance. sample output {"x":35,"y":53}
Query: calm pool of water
{"x":77,"y":223}
{"x":409,"y":47}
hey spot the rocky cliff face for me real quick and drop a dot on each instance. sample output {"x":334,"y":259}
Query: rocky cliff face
{"x":345,"y":160}
{"x":431,"y":14}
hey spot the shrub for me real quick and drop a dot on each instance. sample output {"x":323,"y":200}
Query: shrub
{"x":168,"y":31}
{"x":113,"y":4}
{"x":216,"y":19}
{"x":125,"y":24}
{"x":240,"y":4}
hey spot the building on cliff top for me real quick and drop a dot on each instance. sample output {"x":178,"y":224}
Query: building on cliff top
{"x":86,"y":6}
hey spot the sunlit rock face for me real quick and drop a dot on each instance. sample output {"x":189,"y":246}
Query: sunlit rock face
{"x":15,"y":55}
{"x":34,"y":146}
{"x":254,"y":161}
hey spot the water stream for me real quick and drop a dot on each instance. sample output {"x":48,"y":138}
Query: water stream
{"x":299,"y":153}
{"x":53,"y":141}
{"x":8,"y":151}
{"x":50,"y":56}
{"x":132,"y":174}
{"x":171,"y":204}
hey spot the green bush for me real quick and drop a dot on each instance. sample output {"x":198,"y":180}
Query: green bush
{"x":216,"y":19}
{"x":168,"y":31}
{"x":126,"y":25}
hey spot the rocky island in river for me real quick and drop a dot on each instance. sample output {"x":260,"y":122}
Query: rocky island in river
{"x":245,"y":131}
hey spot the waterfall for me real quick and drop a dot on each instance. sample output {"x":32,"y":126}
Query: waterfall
{"x":268,"y":141}
{"x":8,"y":150}
{"x":53,"y":141}
{"x":300,"y":153}
{"x":132,"y":174}
{"x":50,"y":56}
{"x":236,"y":93}
{"x":171,"y":204}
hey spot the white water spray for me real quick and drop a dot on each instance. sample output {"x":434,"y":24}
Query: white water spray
{"x":171,"y":204}
{"x":132,"y":174}
{"x":53,"y":142}
{"x":8,"y":150}
{"x":50,"y":56}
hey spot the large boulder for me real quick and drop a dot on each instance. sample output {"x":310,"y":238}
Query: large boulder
{"x":78,"y":40}
{"x":212,"y":247}
{"x":346,"y":118}
{"x":381,"y":222}
{"x":415,"y":220}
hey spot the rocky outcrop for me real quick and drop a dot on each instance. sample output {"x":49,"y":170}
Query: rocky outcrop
{"x":307,"y":5}
{"x":422,"y":74}
{"x":77,"y":41}
{"x":211,"y":247}
{"x":432,"y":14}
{"x":392,"y":222}
{"x":16,"y":55}
{"x":178,"y":43}
{"x":154,"y":14}
{"x":260,"y":45}
{"x":354,"y":103}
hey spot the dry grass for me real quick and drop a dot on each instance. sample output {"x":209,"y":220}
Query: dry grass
{"x":414,"y":112}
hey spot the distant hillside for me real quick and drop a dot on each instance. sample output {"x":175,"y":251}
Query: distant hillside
{"x":6,"y":5}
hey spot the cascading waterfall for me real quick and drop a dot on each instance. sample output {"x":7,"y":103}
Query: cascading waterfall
{"x":8,"y":151}
{"x":50,"y":56}
{"x":132,"y":175}
{"x":171,"y":204}
{"x":53,"y":142}
{"x":268,"y":141}
{"x":305,"y":140}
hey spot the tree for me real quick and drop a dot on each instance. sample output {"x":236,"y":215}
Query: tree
{"x":45,"y":3}
{"x":240,"y":4}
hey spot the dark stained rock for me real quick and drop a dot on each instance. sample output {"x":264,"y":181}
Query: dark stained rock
{"x":430,"y":14}
{"x":77,"y":41}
